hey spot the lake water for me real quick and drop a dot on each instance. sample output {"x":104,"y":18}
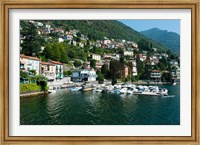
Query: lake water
{"x":88,"y":108}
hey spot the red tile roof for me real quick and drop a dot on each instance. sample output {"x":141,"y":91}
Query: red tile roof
{"x":29,"y":57}
{"x":55,"y":62}
{"x":155,"y":70}
{"x":46,"y":63}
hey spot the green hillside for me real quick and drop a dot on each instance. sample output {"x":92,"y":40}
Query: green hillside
{"x":98,"y":29}
{"x":169,"y":39}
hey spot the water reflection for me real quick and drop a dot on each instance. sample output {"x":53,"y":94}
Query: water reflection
{"x":88,"y":108}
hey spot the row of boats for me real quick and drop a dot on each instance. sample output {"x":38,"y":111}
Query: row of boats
{"x":123,"y":89}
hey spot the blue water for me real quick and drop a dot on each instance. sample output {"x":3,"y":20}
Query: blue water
{"x":78,"y":108}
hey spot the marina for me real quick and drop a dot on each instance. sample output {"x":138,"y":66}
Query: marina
{"x":121,"y":88}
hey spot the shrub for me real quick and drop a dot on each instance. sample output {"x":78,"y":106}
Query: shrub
{"x":28,"y":88}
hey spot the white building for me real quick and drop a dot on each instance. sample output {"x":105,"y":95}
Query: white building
{"x":128,"y":53}
{"x":29,"y":63}
{"x":58,"y":69}
{"x":133,"y":65}
{"x":156,"y":75}
{"x":96,"y":57}
{"x":88,"y":75}
{"x":60,"y":40}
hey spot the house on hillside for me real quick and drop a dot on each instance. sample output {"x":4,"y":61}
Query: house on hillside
{"x":128,"y":53}
{"x":96,"y":57}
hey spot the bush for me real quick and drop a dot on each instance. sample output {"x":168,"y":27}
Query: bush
{"x":67,"y":73}
{"x":28,"y":88}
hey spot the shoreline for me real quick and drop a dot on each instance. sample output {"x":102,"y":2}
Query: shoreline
{"x":32,"y":94}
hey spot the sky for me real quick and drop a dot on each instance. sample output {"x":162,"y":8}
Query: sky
{"x":141,"y":25}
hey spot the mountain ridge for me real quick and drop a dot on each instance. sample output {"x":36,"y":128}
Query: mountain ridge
{"x":165,"y":37}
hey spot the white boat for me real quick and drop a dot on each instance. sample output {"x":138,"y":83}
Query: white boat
{"x":51,"y":91}
{"x":118,"y":86}
{"x":174,"y":83}
{"x":164,"y":92}
{"x":130,"y":92}
{"x":75,"y":89}
{"x":123,"y":90}
{"x":99,"y":90}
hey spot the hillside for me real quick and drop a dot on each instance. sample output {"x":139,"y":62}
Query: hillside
{"x":98,"y":29}
{"x":169,"y":39}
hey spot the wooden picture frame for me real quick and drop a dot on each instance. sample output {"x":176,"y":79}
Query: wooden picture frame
{"x":61,"y":4}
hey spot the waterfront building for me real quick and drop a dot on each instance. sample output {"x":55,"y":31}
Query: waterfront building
{"x":48,"y":70}
{"x":28,"y":63}
{"x":156,"y":75}
{"x":133,"y":66}
{"x":76,"y":76}
{"x":58,"y":68}
{"x":88,"y":75}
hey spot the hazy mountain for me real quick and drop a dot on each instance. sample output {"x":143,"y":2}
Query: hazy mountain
{"x":169,"y":39}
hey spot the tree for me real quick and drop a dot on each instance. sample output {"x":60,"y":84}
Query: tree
{"x":92,"y":63}
{"x":166,"y":77}
{"x":77,"y":63}
{"x":42,"y":82}
{"x":143,"y":44}
{"x":23,"y":74}
{"x":140,"y":67}
{"x":67,"y":73}
{"x":32,"y":42}
{"x":115,"y":69}
{"x":105,"y":71}
{"x":122,"y":60}
{"x":100,"y":77}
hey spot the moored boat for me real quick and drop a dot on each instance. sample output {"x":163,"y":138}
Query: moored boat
{"x":75,"y":89}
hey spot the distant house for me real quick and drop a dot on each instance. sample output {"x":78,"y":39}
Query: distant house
{"x":156,"y":75}
{"x":99,"y":65}
{"x":96,"y":57}
{"x":60,"y":40}
{"x":29,"y":63}
{"x":98,"y":44}
{"x":125,"y":71}
{"x":128,"y":53}
{"x":174,"y":63}
{"x":134,"y":45}
{"x":176,"y":73}
{"x":69,"y":37}
{"x":142,"y":57}
{"x":48,"y":70}
{"x":59,"y":30}
{"x":133,"y":67}
{"x":81,"y":45}
{"x":106,"y":41}
{"x":58,"y":68}
{"x":107,"y":56}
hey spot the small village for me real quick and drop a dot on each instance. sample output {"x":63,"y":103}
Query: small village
{"x":121,"y":61}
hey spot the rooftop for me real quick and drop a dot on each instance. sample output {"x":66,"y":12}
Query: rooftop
{"x":29,"y":57}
